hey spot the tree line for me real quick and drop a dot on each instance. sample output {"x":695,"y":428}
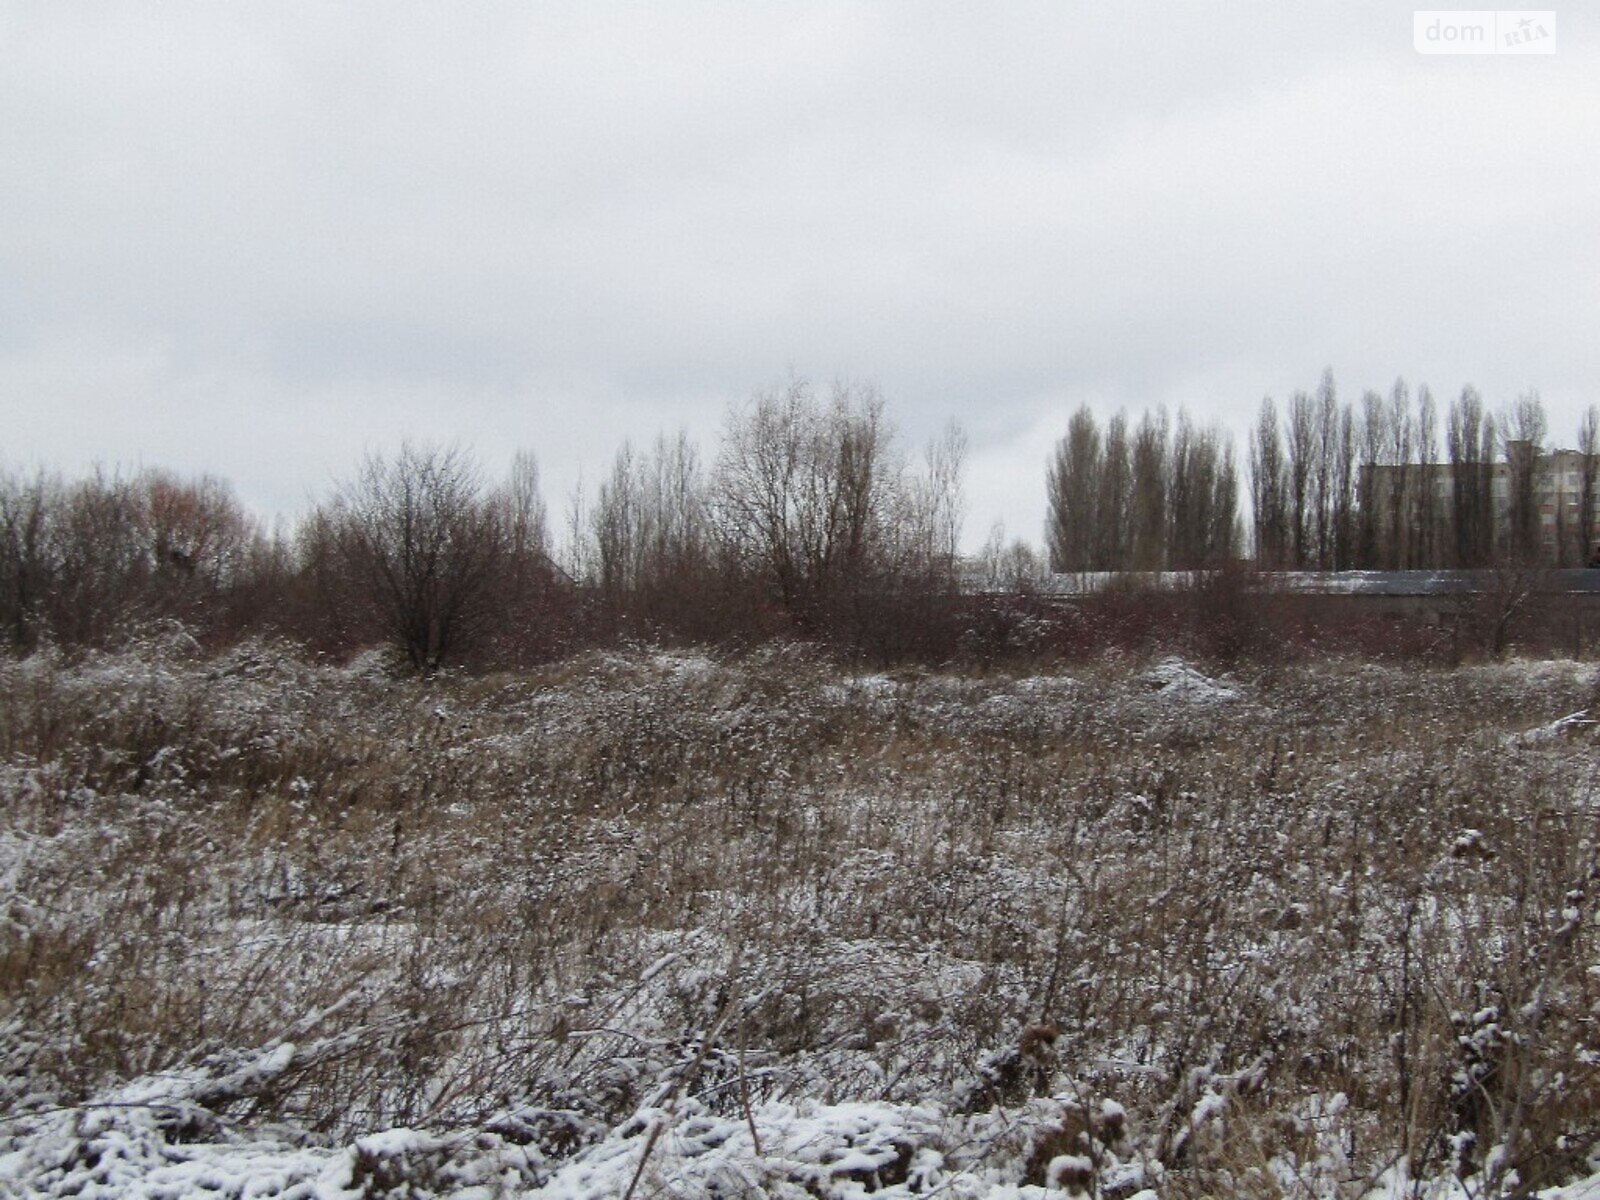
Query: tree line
{"x":1151,"y":498}
{"x":811,"y":520}
{"x":1386,"y":482}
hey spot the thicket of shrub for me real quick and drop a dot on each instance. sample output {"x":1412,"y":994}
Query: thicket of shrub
{"x":1305,"y":924}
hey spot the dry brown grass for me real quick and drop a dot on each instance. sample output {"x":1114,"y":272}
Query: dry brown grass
{"x":523,"y":898}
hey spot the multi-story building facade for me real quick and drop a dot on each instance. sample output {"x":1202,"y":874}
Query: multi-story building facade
{"x":1534,"y":509}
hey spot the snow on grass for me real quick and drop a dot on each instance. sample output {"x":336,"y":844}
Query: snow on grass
{"x":138,"y":1148}
{"x":269,"y":927}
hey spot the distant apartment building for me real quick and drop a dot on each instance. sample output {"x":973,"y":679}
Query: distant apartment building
{"x":1558,"y":495}
{"x":1541,"y":520}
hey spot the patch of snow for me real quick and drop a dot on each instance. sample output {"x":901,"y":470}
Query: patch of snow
{"x":1175,"y":680}
{"x":1571,"y":723}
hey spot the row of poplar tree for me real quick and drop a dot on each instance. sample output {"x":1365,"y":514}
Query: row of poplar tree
{"x":1385,"y":482}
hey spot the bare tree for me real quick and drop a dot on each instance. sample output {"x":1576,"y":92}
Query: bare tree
{"x":1325,"y":501}
{"x":803,"y":495}
{"x":682,"y":536}
{"x":1344,"y":485}
{"x":1115,"y":496}
{"x":1268,"y":488}
{"x":1470,"y":438}
{"x":1223,"y":527}
{"x":1186,"y":514}
{"x":936,"y":508}
{"x":26,"y":567}
{"x":1008,"y":566}
{"x":1489,"y":438}
{"x":1401,"y":434}
{"x":1202,"y":498}
{"x":102,"y":559}
{"x":652,"y":538}
{"x":1369,"y":489}
{"x":1302,"y":454}
{"x":86,"y":562}
{"x":1523,"y":444}
{"x":523,"y":515}
{"x":617,"y":529}
{"x":526,"y":583}
{"x":200,"y":542}
{"x":1427,"y":493}
{"x":1147,"y":517}
{"x":1073,"y":484}
{"x":422,"y":545}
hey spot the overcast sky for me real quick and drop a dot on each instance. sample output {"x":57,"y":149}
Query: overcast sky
{"x":260,"y":239}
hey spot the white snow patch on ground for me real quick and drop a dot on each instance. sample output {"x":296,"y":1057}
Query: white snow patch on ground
{"x":777,"y":1148}
{"x":1571,"y":723}
{"x":1584,"y":1189}
{"x":1175,"y":680}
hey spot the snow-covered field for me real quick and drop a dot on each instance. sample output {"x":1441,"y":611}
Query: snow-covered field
{"x":659,"y":925}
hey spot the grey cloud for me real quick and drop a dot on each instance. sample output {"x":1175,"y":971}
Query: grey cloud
{"x":315,"y":228}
